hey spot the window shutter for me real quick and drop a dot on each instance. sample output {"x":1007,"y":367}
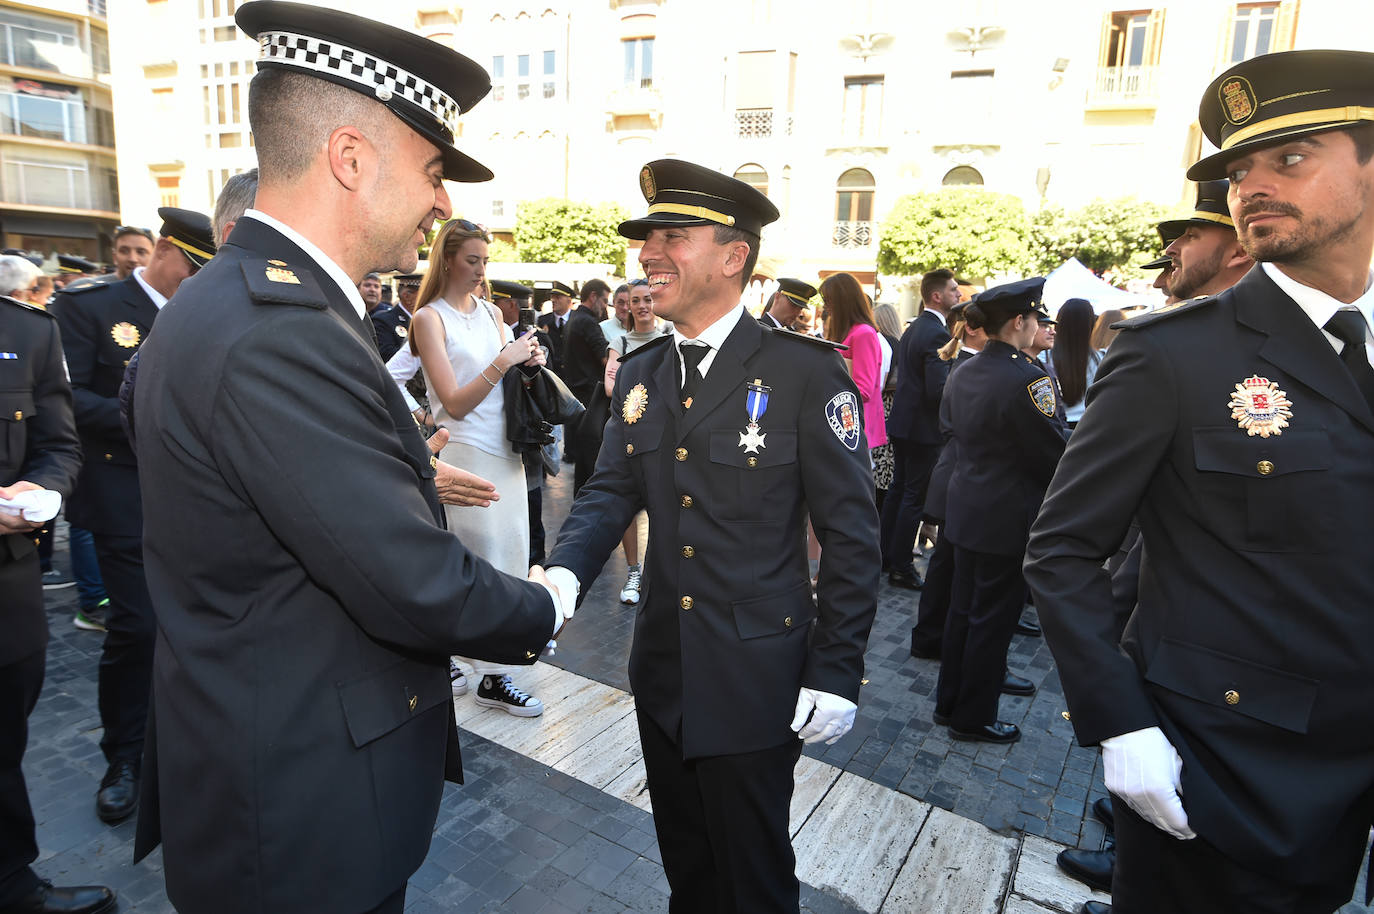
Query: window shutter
{"x":1286,"y":26}
{"x":1104,"y":45}
{"x":1154,"y":37}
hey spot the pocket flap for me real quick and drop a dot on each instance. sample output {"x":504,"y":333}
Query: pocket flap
{"x":16,"y":403}
{"x":1263,"y":692}
{"x":377,"y":703}
{"x":771,"y":615}
{"x":779,"y":448}
{"x":1230,"y":450}
{"x":642,"y":438}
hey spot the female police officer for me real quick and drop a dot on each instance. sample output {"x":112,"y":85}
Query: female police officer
{"x":999,"y":410}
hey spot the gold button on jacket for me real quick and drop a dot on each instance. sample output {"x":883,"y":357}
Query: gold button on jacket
{"x":686,"y":602}
{"x":680,"y":454}
{"x":1233,"y":697}
{"x":688,"y":552}
{"x":1264,"y":467}
{"x":686,"y":501}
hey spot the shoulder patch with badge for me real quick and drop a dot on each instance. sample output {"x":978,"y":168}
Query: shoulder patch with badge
{"x":843,"y":416}
{"x":1165,"y":313}
{"x":272,"y":282}
{"x":1042,"y":394}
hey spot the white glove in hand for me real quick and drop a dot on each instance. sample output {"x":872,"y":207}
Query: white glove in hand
{"x":832,"y":718}
{"x":1143,"y":768}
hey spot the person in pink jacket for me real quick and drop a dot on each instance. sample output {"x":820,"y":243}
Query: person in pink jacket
{"x":849,"y":320}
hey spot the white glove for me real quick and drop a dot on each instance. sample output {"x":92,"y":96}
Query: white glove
{"x":833,"y":717}
{"x":38,"y":506}
{"x":1143,"y":768}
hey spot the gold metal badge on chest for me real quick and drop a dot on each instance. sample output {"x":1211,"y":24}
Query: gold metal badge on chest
{"x":1259,"y":407}
{"x":125,"y":334}
{"x":635,"y":402}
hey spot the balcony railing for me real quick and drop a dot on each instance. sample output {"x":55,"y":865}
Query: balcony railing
{"x":1125,"y":86}
{"x":851,"y":235}
{"x":761,"y":124}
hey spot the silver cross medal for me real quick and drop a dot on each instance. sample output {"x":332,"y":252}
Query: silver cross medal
{"x":756,"y":401}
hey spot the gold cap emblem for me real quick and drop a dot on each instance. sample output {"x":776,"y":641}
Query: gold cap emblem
{"x":125,"y":334}
{"x":1237,"y":99}
{"x":646,"y":183}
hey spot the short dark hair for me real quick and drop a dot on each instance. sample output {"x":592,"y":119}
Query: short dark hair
{"x":593,"y":287}
{"x":1363,"y":135}
{"x":934,"y":281}
{"x":292,"y":115}
{"x":726,"y":234}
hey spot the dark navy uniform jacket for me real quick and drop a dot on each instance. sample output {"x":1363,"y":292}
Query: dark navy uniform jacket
{"x":1252,"y":644}
{"x":306,"y":595}
{"x":998,"y":410}
{"x":921,"y":376}
{"x":727,"y":632}
{"x":392,"y":326}
{"x":38,"y":443}
{"x":103,"y":325}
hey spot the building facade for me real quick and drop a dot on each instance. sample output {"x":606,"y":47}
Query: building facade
{"x":58,"y":192}
{"x":835,"y":110}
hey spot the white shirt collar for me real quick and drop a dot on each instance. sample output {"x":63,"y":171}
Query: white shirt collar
{"x":713,"y":336}
{"x":1320,"y":307}
{"x":158,"y":298}
{"x":336,"y":273}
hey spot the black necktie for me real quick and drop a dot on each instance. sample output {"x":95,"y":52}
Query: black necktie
{"x":692,"y":354}
{"x":1349,"y":328}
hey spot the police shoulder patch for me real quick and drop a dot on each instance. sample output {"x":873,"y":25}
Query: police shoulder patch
{"x":273,"y":283}
{"x":844,"y":418}
{"x":1165,"y":313}
{"x":27,"y":306}
{"x":805,"y":338}
{"x":1042,"y":394}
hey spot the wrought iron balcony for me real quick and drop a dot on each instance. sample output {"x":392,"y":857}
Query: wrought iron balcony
{"x":1127,"y":86}
{"x":851,"y":235}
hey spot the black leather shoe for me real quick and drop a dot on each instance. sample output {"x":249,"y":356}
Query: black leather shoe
{"x":1102,"y":809}
{"x":1029,"y":627}
{"x":940,"y":719}
{"x":906,"y":577}
{"x":1096,"y":907}
{"x":1092,"y":867}
{"x":923,"y":651}
{"x":1017,"y":685}
{"x":68,"y":899}
{"x":118,"y":795}
{"x":999,"y":732}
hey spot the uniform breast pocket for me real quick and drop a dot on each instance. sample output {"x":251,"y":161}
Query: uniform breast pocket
{"x":642,"y":440}
{"x":1271,"y":489}
{"x":759,"y":486}
{"x":16,"y":406}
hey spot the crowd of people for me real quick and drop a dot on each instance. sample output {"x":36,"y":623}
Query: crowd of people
{"x":294,"y":507}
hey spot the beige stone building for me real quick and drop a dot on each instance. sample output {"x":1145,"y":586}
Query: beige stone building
{"x":57,"y":162}
{"x":835,"y":109}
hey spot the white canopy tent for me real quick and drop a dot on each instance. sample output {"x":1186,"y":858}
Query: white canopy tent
{"x":1073,"y":280}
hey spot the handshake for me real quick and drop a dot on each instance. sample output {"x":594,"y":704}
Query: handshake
{"x":563,"y":590}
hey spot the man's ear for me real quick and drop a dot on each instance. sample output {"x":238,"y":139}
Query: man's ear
{"x":735,"y":260}
{"x":351,"y":155}
{"x":1236,"y":256}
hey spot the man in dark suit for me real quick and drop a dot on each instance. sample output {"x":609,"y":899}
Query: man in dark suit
{"x":39,"y":450}
{"x":1232,"y":705}
{"x":914,"y":424}
{"x":584,"y":367}
{"x":553,"y":322}
{"x":103,"y":325}
{"x":308,"y":596}
{"x":787,"y":303}
{"x":392,"y":323}
{"x":728,"y":434}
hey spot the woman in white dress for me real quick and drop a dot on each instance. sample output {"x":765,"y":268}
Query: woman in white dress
{"x":465,"y":350}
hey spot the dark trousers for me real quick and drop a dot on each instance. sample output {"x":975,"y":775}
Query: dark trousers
{"x":20,"y":683}
{"x":985,"y":604}
{"x":126,"y":662}
{"x":722,"y":826}
{"x":1156,"y":873}
{"x":394,"y":904}
{"x":536,"y":504}
{"x":90,"y":588}
{"x":928,"y":635}
{"x":904,"y":506}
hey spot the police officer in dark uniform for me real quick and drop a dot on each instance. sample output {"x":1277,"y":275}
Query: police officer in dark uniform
{"x":103,"y":325}
{"x":789,"y":301}
{"x":999,"y":410}
{"x":1232,"y":701}
{"x":38,"y":450}
{"x":553,"y":322}
{"x":728,"y":433}
{"x":392,"y":323}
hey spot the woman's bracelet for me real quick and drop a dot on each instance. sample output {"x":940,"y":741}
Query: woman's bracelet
{"x":489,"y":380}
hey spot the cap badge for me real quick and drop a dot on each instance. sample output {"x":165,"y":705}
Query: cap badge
{"x":755,"y":404}
{"x":1238,"y":98}
{"x":278,"y":274}
{"x":842,"y":415}
{"x":646,"y":183}
{"x":635,"y":402}
{"x":1042,"y":394}
{"x":125,"y":335}
{"x":1259,"y":407}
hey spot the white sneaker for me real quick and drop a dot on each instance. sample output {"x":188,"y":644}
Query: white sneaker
{"x":629,"y":594}
{"x":500,"y":692}
{"x":456,"y":679}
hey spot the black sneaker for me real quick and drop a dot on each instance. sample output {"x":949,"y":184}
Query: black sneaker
{"x":457,"y":681}
{"x":56,"y":580}
{"x":500,"y":692}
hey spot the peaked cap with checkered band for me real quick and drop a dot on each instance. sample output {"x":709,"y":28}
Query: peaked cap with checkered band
{"x":420,"y":81}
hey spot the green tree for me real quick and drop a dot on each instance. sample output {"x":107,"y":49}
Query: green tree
{"x":1114,"y":236}
{"x":976,"y":233}
{"x":555,"y":230}
{"x":502,"y":252}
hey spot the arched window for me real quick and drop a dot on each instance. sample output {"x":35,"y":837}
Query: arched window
{"x":754,"y":176}
{"x":854,"y":196}
{"x":962,"y":175}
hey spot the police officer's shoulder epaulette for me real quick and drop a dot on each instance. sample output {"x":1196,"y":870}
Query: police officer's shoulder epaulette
{"x":80,"y":287}
{"x":27,"y":306}
{"x":652,"y":344}
{"x":807,"y":338}
{"x":272,"y":282}
{"x":1174,"y":310}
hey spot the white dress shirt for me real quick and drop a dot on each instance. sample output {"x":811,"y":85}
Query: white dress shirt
{"x":1320,"y":307}
{"x":713,"y":336}
{"x":158,"y":298}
